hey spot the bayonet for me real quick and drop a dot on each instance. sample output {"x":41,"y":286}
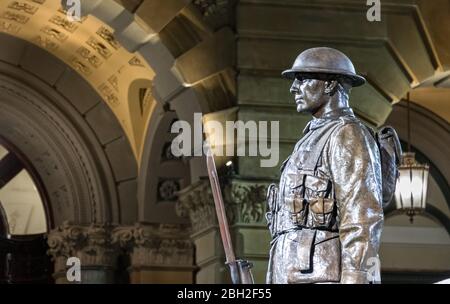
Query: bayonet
{"x":240,"y":269}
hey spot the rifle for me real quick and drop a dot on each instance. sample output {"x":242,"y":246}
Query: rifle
{"x":240,"y":269}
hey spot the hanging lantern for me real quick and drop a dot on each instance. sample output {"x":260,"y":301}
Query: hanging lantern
{"x":412,"y":184}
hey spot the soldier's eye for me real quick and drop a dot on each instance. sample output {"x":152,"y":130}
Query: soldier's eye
{"x":299,"y":81}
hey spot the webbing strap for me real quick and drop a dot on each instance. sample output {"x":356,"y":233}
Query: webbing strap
{"x":312,"y":161}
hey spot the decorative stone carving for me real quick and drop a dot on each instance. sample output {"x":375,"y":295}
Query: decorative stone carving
{"x":156,"y":244}
{"x":8,"y":27}
{"x":54,"y":33}
{"x":91,"y":244}
{"x":15,"y":17}
{"x":196,"y":202}
{"x":114,"y":82}
{"x":98,"y":249}
{"x":80,"y":66}
{"x":135,"y":61}
{"x":245,"y":203}
{"x":99,"y":245}
{"x":250,"y":201}
{"x":63,"y":240}
{"x":212,"y":7}
{"x":109,"y":95}
{"x":63,"y":11}
{"x":46,"y":43}
{"x":122,"y":236}
{"x":167,"y":189}
{"x":92,"y":59}
{"x":64,"y":23}
{"x":25,"y":7}
{"x":108,"y":36}
{"x":99,"y":47}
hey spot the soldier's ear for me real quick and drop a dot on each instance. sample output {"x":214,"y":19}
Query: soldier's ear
{"x":331,"y":87}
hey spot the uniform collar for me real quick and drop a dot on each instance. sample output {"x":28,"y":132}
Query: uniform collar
{"x":316,"y":123}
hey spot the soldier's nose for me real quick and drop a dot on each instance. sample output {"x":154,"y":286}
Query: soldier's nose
{"x":294,"y":89}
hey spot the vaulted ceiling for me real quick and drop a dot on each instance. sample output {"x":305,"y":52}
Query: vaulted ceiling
{"x":123,"y":79}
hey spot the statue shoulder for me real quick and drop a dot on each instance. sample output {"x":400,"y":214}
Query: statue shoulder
{"x":352,"y":132}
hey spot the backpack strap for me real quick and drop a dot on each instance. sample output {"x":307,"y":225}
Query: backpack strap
{"x":388,"y":136}
{"x":390,"y":157}
{"x":312,"y":161}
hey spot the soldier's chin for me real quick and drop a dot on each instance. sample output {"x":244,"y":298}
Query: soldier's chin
{"x":302,"y":109}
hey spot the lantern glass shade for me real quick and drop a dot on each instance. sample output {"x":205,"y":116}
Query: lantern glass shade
{"x":412,"y":184}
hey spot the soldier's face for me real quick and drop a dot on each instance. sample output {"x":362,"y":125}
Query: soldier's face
{"x":309,"y":95}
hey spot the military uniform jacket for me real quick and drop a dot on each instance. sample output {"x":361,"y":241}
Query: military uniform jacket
{"x":326,"y":214}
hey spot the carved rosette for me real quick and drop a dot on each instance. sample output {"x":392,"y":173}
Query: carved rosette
{"x":245,"y":203}
{"x":156,"y":244}
{"x":91,"y":244}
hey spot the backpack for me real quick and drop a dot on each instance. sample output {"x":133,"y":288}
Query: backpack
{"x":390,"y":156}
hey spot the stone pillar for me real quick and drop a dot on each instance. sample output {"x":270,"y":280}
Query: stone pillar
{"x":159,"y":253}
{"x":245,"y":207}
{"x":91,"y":245}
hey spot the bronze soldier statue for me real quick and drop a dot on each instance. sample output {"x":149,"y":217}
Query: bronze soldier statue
{"x":326,"y":214}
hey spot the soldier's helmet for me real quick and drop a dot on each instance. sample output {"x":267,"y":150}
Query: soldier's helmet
{"x":324,"y":62}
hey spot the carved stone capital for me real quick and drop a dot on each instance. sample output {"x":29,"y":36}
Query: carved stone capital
{"x":91,"y":244}
{"x":245,"y":203}
{"x":248,"y":199}
{"x":156,"y":244}
{"x":63,"y":240}
{"x":197,"y":203}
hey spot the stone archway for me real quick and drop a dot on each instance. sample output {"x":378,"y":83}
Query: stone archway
{"x":35,"y":118}
{"x":86,"y":169}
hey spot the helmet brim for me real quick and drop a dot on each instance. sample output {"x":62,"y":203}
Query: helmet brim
{"x":354,"y":79}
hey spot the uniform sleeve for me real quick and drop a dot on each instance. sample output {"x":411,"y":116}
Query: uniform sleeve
{"x":356,"y":172}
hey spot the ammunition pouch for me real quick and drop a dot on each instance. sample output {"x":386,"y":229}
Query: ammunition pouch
{"x":321,"y":212}
{"x":308,"y":202}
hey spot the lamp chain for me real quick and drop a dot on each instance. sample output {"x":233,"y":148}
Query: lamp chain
{"x":408,"y":122}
